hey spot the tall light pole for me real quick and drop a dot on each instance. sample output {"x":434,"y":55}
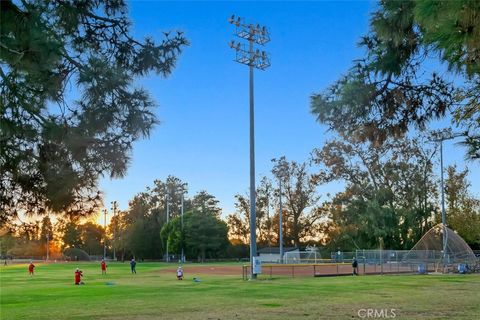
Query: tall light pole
{"x":440,"y":137}
{"x":260,"y":60}
{"x":105,"y":234}
{"x":280,"y":170}
{"x":114,"y":209}
{"x":168,"y":219}
{"x":182,"y":189}
{"x":280,"y":222}
{"x":47,"y":237}
{"x":182,"y":257}
{"x":47,"y":245}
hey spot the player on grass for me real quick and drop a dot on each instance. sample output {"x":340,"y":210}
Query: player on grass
{"x":31,"y":266}
{"x":355,"y":266}
{"x":78,"y":277}
{"x":133,"y":264}
{"x":179,"y":273}
{"x":103,"y":264}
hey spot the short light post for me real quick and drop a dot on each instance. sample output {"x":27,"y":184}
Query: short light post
{"x":253,"y":59}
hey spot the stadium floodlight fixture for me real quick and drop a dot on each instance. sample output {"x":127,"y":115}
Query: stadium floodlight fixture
{"x":249,"y":31}
{"x":254,"y":34}
{"x":253,"y":58}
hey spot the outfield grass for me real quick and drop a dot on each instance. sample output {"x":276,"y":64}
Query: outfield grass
{"x":150,"y":294}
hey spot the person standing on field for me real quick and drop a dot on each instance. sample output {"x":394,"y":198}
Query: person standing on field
{"x":179,"y":273}
{"x":103,"y":264}
{"x":133,"y":264}
{"x":31,"y":266}
{"x":355,"y":266}
{"x":78,"y":277}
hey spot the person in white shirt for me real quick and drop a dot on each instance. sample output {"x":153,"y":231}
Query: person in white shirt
{"x":179,"y":273}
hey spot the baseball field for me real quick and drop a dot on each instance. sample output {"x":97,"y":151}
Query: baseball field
{"x":220,"y":293}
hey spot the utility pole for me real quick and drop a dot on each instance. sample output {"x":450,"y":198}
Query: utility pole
{"x":253,"y":59}
{"x":440,"y":137}
{"x":114,"y":209}
{"x":105,"y":234}
{"x":182,"y":189}
{"x":182,"y":257}
{"x":168,"y":219}
{"x":280,"y":171}
{"x":280,"y":222}
{"x":48,"y":244}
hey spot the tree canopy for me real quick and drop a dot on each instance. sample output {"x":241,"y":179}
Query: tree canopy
{"x":389,"y":197}
{"x":201,"y":235}
{"x":302,"y":212}
{"x":463,"y":208}
{"x":57,"y":141}
{"x":390,"y":90}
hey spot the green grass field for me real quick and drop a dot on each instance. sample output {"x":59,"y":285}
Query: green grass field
{"x":150,"y":294}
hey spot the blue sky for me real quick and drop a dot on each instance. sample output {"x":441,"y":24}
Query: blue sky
{"x":203,"y":105}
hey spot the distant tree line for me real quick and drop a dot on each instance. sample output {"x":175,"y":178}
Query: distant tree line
{"x":142,"y":230}
{"x":390,"y":199}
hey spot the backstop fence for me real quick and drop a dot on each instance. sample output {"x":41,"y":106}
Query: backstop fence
{"x":369,"y":262}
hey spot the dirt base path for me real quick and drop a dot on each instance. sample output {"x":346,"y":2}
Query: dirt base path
{"x":193,"y":270}
{"x":290,"y":270}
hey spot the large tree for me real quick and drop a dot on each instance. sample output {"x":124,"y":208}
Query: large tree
{"x":69,"y":110}
{"x":389,"y":196}
{"x":170,"y":191}
{"x":301,"y":209}
{"x":391,"y":89}
{"x":71,"y":232}
{"x":93,"y":237}
{"x":239,"y":222}
{"x":143,"y":221}
{"x":205,"y":236}
{"x":137,"y":230}
{"x":206,"y":204}
{"x":463,"y":208}
{"x":46,"y":231}
{"x":201,"y":235}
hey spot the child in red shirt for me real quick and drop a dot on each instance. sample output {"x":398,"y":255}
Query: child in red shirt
{"x":31,"y":266}
{"x":104,"y":266}
{"x":78,"y":276}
